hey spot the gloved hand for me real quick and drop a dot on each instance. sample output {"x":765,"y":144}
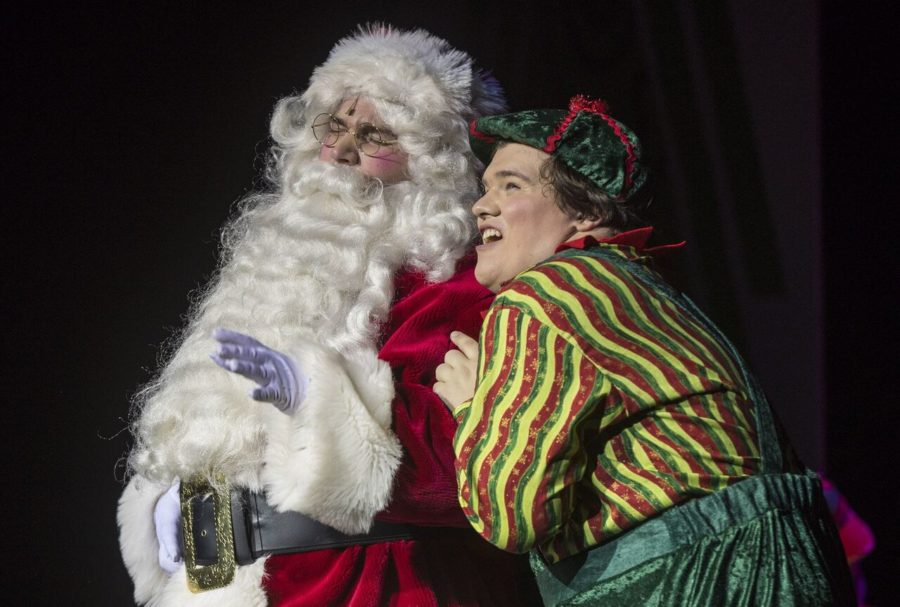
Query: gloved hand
{"x":280,"y":381}
{"x":167,"y":518}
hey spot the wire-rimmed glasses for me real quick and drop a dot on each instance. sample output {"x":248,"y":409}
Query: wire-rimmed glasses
{"x":369,"y":138}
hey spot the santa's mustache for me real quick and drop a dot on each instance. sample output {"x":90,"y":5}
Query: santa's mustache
{"x":346,"y":182}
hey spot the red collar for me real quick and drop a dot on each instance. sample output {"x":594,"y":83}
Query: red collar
{"x":636,"y":238}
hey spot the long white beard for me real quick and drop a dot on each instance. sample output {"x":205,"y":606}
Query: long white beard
{"x":316,"y":263}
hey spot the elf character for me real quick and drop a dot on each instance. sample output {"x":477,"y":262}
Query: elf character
{"x":606,"y":426}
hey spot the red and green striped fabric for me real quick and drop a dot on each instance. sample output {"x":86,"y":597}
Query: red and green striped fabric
{"x":600,"y":403}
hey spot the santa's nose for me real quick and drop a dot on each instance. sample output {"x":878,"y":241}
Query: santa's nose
{"x":344,"y":150}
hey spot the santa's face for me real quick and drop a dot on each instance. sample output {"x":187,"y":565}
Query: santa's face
{"x":355,"y":136}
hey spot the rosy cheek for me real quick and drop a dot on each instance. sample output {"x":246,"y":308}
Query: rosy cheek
{"x":324,"y":153}
{"x":390,"y":166}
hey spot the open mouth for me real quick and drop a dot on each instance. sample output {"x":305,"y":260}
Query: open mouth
{"x":490,"y":235}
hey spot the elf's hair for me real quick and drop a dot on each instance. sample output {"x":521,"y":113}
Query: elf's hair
{"x":579,"y":197}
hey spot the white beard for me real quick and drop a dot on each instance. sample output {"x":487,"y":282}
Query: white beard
{"x":315,"y":264}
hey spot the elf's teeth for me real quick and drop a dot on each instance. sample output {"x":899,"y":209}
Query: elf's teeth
{"x":491,"y":235}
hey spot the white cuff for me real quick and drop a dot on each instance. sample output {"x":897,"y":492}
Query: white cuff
{"x":335,"y":457}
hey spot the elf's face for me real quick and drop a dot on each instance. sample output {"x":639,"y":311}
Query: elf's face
{"x":518,"y":217}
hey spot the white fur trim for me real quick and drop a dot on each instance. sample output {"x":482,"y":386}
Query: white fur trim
{"x":334,"y":458}
{"x":137,"y":537}
{"x":153,"y":586}
{"x":244,"y":591}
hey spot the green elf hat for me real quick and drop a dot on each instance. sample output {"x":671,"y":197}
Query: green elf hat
{"x":586,"y":139}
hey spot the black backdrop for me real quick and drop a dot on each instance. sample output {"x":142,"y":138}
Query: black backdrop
{"x":134,"y":128}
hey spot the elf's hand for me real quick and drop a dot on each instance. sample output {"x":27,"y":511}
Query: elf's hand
{"x":456,"y":375}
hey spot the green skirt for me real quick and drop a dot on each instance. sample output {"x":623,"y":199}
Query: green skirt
{"x":767,"y":540}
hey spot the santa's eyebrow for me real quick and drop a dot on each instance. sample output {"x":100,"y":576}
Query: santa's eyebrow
{"x":352,"y":109}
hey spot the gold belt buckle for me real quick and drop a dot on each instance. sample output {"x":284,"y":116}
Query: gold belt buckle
{"x":221,"y":573}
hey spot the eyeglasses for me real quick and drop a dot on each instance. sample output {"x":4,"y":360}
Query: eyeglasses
{"x":369,"y":138}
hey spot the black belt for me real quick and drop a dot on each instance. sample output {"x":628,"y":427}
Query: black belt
{"x":222,"y":531}
{"x":259,"y":530}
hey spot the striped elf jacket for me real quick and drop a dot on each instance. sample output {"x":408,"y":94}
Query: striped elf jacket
{"x":600,"y":403}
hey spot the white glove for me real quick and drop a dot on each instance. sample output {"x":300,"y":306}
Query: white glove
{"x":280,"y":381}
{"x":167,"y":518}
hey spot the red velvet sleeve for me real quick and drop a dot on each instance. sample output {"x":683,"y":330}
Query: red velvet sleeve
{"x":418,"y":336}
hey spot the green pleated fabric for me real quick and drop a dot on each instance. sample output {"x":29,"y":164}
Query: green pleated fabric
{"x":768,"y":540}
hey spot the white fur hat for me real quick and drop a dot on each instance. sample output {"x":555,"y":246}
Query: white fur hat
{"x":422,"y":87}
{"x":414,"y":69}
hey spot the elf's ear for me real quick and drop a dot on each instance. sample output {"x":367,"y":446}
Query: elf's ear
{"x":587,"y":224}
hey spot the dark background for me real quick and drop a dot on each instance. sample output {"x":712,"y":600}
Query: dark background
{"x":133,"y":129}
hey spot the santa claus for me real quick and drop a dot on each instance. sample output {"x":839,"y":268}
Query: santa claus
{"x":331,"y":482}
